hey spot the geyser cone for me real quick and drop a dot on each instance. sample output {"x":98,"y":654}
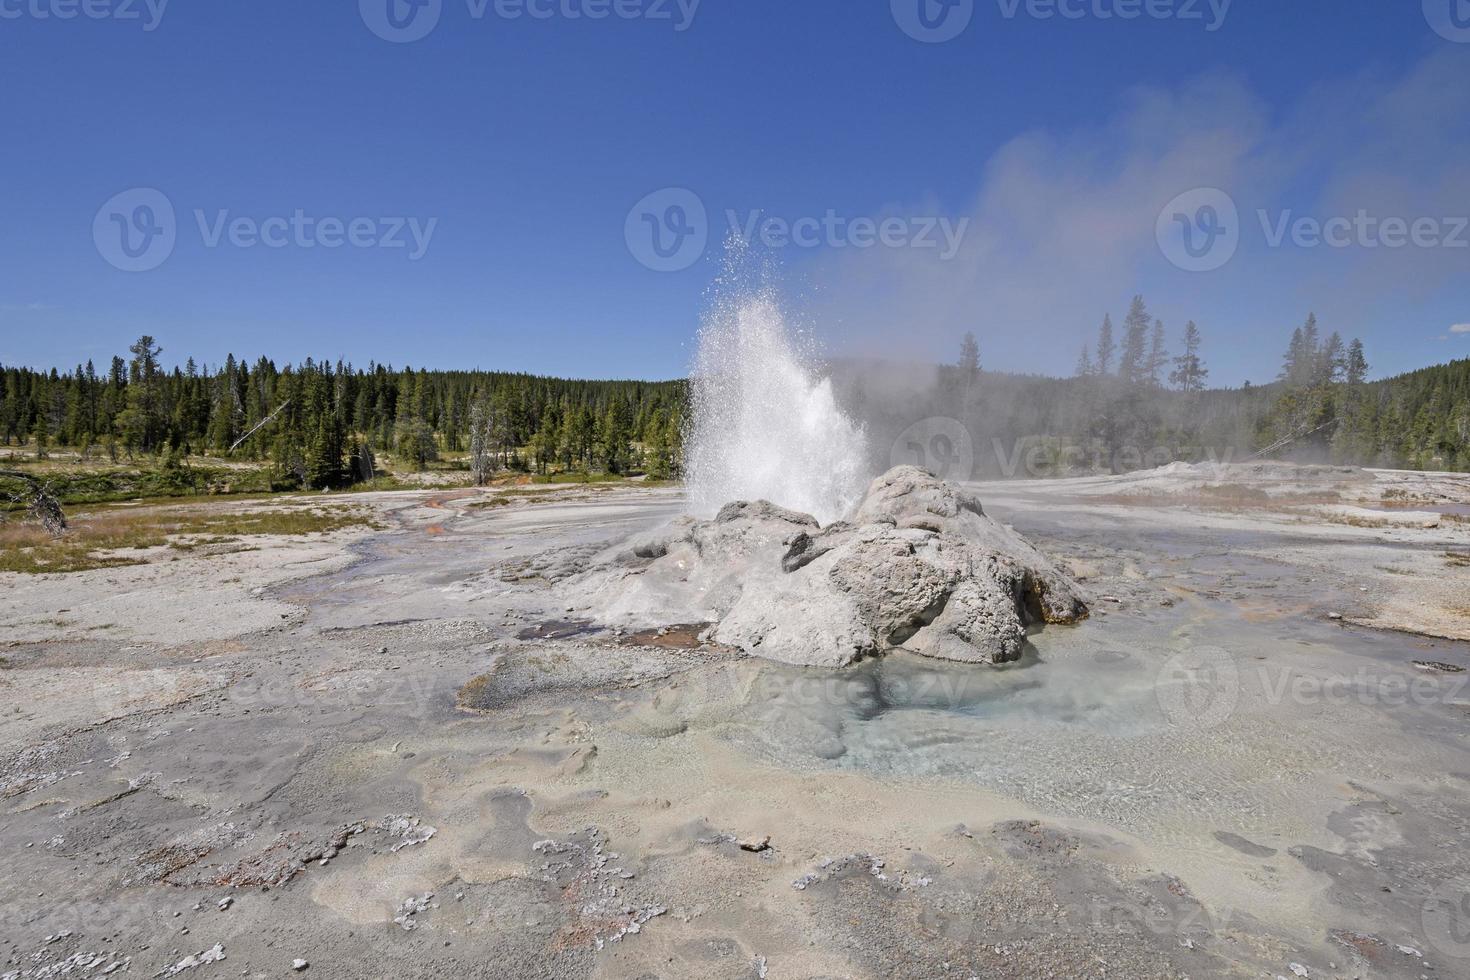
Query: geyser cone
{"x":918,"y":565}
{"x":764,"y":426}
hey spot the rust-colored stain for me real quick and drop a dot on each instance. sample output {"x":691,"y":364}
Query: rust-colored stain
{"x":681,"y":637}
{"x":1269,"y":611}
{"x":436,"y":528}
{"x":438,"y":501}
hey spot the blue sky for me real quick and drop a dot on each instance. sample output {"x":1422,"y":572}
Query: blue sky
{"x":517,"y":148}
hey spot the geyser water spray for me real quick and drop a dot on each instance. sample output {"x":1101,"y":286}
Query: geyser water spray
{"x":764,"y":425}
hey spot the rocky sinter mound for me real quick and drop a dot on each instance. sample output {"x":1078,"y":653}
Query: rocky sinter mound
{"x":918,"y":565}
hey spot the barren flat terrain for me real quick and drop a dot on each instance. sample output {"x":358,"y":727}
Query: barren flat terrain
{"x":405,"y":746}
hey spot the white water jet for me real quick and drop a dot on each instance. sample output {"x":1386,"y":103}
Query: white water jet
{"x":765,"y":426}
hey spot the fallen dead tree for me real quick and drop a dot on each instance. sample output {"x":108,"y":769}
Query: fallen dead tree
{"x":39,"y":502}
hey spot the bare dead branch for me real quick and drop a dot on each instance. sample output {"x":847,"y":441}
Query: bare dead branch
{"x":39,"y":502}
{"x":262,"y":424}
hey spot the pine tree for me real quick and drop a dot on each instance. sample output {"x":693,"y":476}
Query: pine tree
{"x":1133,"y":364}
{"x":969,"y":365}
{"x":544,"y":443}
{"x":144,"y":396}
{"x":1189,"y":371}
{"x":1302,"y":365}
{"x":1356,"y":369}
{"x":413,"y":442}
{"x":1158,"y":356}
{"x":1084,"y":364}
{"x":42,"y":435}
{"x":585,"y":434}
{"x":614,"y":438}
{"x":1106,"y":347}
{"x":361,"y":466}
{"x":1292,"y":365}
{"x":965,"y":374}
{"x":1310,"y":336}
{"x":1331,"y":361}
{"x":324,"y":454}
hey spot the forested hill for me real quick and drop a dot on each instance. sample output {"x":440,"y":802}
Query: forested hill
{"x":1132,"y":405}
{"x":321,"y":420}
{"x":319,"y":424}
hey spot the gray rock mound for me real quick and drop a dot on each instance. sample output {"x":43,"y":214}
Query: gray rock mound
{"x":917,"y":566}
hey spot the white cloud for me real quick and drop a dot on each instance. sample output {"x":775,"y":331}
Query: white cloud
{"x":1063,"y":223}
{"x":1460,"y":328}
{"x":1057,"y":228}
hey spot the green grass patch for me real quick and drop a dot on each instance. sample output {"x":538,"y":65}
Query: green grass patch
{"x":104,"y":538}
{"x":78,"y":485}
{"x":579,"y":478}
{"x":381,"y":483}
{"x":1235,"y":492}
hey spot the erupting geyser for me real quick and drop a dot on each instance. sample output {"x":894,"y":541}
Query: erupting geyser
{"x":764,"y":426}
{"x":801,"y":558}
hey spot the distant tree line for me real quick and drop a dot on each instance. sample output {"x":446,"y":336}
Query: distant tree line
{"x":320,"y":424}
{"x":1321,"y":407}
{"x":1326,"y":406}
{"x":1133,"y":403}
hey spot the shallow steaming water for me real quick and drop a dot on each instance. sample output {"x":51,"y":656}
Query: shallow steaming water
{"x":764,"y":426}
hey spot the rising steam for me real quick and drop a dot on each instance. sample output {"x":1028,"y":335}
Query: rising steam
{"x":764,"y":426}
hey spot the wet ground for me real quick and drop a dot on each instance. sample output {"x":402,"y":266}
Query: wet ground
{"x":440,"y":764}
